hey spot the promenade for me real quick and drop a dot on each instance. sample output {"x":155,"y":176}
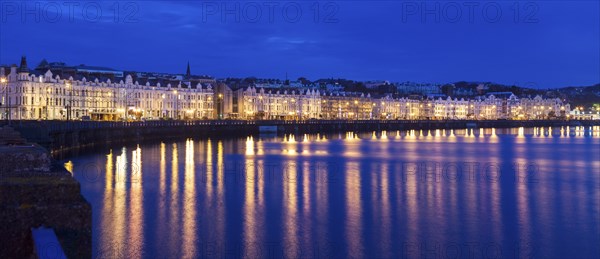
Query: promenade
{"x":66,"y":135}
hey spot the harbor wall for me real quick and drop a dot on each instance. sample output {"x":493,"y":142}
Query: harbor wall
{"x":59,"y":136}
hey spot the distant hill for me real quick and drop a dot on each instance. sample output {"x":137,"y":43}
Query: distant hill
{"x":585,"y":96}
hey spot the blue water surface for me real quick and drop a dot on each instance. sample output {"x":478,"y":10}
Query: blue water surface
{"x":473,"y":193}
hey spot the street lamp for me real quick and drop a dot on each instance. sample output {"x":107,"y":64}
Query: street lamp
{"x":356,"y":110}
{"x":4,"y":86}
{"x":176,"y":104}
{"x":125,"y":103}
{"x":163,"y":107}
{"x":191,"y":114}
{"x":219,"y":108}
{"x":47,"y":103}
{"x":68,"y":86}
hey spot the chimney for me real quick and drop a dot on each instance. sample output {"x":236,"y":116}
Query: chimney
{"x":13,"y":73}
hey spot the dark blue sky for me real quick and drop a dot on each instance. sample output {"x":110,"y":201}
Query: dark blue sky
{"x":544,"y":44}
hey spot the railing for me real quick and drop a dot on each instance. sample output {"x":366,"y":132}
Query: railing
{"x":58,"y":126}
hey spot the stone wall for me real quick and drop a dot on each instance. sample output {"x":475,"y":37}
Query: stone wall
{"x":35,"y":192}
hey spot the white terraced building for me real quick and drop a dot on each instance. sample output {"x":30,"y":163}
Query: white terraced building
{"x":42,"y":95}
{"x":28,"y":96}
{"x":277,"y":104}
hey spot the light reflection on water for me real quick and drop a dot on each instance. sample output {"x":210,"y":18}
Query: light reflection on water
{"x":405,"y":194}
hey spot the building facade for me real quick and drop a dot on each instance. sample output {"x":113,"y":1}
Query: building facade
{"x":28,"y":96}
{"x":42,"y":95}
{"x":261,"y":103}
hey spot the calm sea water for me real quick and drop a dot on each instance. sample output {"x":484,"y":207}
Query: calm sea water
{"x":483,"y":193}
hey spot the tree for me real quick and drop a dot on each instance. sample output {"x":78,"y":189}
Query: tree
{"x":356,"y":87}
{"x":304,"y":81}
{"x":387,"y":89}
{"x":516,"y":90}
{"x":250,"y":80}
{"x":448,"y":89}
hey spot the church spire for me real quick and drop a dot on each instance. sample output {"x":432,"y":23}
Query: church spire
{"x":188,"y":74}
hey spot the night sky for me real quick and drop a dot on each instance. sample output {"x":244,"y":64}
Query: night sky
{"x":541,"y":44}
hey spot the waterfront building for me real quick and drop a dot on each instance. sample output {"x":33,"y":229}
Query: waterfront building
{"x":261,"y":103}
{"x":400,"y":108}
{"x":387,"y":108}
{"x":541,"y":108}
{"x":450,"y":108}
{"x":347,"y":106}
{"x":54,"y":91}
{"x":32,"y":95}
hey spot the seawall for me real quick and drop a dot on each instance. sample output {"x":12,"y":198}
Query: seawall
{"x":37,"y":192}
{"x":61,"y":136}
